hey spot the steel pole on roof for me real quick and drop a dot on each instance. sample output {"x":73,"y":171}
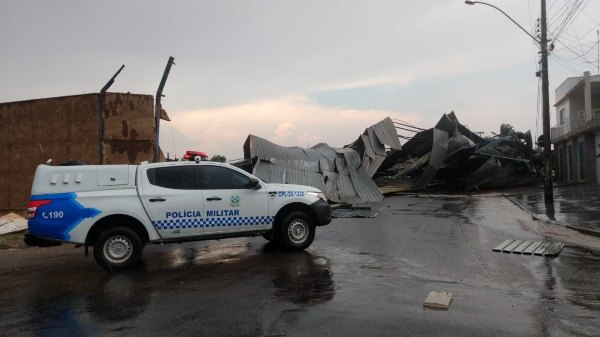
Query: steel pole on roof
{"x":158,"y":107}
{"x":101,"y":97}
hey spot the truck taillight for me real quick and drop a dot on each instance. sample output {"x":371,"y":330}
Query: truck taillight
{"x":33,"y":206}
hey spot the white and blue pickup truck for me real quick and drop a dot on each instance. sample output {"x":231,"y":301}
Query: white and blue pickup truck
{"x":118,"y":209}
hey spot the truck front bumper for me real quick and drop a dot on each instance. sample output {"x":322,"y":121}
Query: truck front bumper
{"x":322,"y":211}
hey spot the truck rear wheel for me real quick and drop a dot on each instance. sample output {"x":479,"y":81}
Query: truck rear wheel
{"x":118,"y":248}
{"x":297,"y":231}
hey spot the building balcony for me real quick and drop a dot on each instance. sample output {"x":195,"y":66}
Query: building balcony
{"x":574,"y":125}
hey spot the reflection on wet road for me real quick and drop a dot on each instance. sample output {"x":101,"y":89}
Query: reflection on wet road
{"x":577,"y":205}
{"x":183,"y":288}
{"x":361,"y":277}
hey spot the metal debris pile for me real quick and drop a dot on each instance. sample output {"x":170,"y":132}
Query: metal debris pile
{"x":448,"y":156}
{"x":451,"y":157}
{"x":343,"y":174}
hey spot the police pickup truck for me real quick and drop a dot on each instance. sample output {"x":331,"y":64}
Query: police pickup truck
{"x":118,"y":209}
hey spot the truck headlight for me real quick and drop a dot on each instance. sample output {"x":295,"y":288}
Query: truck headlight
{"x":319,"y":195}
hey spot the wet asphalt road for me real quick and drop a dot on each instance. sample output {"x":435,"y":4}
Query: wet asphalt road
{"x":361,"y":277}
{"x":575,"y":205}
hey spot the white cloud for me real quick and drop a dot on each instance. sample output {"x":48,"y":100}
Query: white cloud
{"x":283,"y":132}
{"x":290,"y":121}
{"x":245,"y":66}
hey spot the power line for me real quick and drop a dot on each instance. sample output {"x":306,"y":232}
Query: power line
{"x":564,"y":17}
{"x":566,"y":36}
{"x":573,"y":13}
{"x":574,"y":52}
{"x":584,"y":53}
{"x":564,"y":9}
{"x":564,"y":64}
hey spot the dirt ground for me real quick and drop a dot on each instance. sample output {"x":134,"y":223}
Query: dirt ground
{"x":13,"y":241}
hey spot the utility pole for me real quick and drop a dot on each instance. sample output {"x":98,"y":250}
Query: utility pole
{"x":548,"y":195}
{"x":542,"y":42}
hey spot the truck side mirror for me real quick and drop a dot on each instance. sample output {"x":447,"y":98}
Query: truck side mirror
{"x":254,"y":184}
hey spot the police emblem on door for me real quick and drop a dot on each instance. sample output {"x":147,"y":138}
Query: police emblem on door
{"x":234,"y":201}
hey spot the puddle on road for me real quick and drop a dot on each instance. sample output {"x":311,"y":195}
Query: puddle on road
{"x":304,"y":280}
{"x":119,"y":299}
{"x":576,"y":205}
{"x":570,"y":277}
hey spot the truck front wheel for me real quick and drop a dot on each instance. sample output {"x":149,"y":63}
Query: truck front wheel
{"x":118,"y":248}
{"x":297,"y":231}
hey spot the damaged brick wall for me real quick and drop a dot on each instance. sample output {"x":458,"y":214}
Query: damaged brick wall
{"x":66,"y":128}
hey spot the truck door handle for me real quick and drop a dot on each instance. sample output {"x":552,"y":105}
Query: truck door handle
{"x":213,"y":198}
{"x":157,"y":199}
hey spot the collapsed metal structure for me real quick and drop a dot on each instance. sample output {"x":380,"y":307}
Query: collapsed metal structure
{"x":451,"y":157}
{"x":343,"y":174}
{"x":448,"y":156}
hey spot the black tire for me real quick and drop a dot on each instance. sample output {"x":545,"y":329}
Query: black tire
{"x":296,"y":232}
{"x":118,"y":248}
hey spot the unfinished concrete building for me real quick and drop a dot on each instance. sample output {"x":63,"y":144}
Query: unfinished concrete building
{"x":67,"y":129}
{"x":576,"y":137}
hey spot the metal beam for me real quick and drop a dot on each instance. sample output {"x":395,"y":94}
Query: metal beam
{"x":158,"y":107}
{"x":101,"y":97}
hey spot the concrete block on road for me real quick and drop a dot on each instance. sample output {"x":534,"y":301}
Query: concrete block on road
{"x":438,"y":300}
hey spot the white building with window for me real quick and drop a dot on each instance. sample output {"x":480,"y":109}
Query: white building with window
{"x":576,"y":137}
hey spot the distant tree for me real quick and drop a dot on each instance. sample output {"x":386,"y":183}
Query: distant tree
{"x":219,"y":158}
{"x":506,"y":129}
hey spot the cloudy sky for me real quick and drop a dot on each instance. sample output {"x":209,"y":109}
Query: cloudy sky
{"x":296,"y":72}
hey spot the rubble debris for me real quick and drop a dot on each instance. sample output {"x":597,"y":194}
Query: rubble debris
{"x":451,"y":157}
{"x":11,"y":223}
{"x":438,"y":300}
{"x":349,"y":211}
{"x":448,"y":156}
{"x":343,"y":174}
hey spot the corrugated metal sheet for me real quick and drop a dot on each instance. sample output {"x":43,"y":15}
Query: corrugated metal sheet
{"x":529,"y":247}
{"x":343,"y":174}
{"x":372,"y":143}
{"x":458,"y":143}
{"x":438,"y":154}
{"x":386,"y":133}
{"x":499,"y":172}
{"x":338,"y":173}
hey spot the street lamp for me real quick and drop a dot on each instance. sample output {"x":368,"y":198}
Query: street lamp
{"x":542,"y":42}
{"x":511,"y":19}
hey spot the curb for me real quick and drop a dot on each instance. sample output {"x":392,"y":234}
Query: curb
{"x":582,"y":230}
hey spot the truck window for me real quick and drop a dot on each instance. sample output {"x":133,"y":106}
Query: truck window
{"x":175,"y":177}
{"x":221,"y":178}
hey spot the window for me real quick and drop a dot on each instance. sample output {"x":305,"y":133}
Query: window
{"x":562,"y":116}
{"x":175,"y":177}
{"x":221,"y":178}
